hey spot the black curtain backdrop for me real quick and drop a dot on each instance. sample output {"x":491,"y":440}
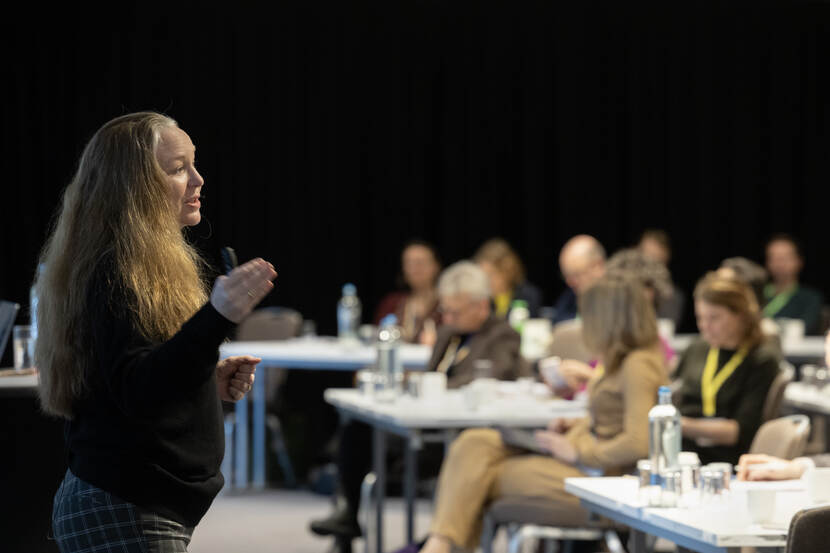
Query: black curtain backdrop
{"x":329,"y":133}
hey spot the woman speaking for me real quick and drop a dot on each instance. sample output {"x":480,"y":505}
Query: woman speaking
{"x":128,"y":340}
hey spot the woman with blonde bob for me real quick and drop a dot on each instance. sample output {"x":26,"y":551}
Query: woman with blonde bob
{"x":506,"y":273}
{"x":725,"y":376}
{"x":128,"y":340}
{"x":620,"y":326}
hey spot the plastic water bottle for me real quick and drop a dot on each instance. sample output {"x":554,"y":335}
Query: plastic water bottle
{"x":519,"y":313}
{"x":664,"y":435}
{"x":389,"y":364}
{"x":348,"y":313}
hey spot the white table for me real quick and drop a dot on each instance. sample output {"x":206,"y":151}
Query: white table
{"x":807,"y":349}
{"x":320,"y":353}
{"x":708,"y":529}
{"x":18,"y":385}
{"x":412,"y":419}
{"x":809,"y":398}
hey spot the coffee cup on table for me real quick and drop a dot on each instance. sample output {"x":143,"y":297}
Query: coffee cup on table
{"x":433,"y":385}
{"x":761,"y":505}
{"x":818,"y":484}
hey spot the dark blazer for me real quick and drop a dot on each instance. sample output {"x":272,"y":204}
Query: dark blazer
{"x":495,"y":341}
{"x":565,"y":307}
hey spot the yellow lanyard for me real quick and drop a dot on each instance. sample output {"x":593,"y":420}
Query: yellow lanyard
{"x":711,"y":383}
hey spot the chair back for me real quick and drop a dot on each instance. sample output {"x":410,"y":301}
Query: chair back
{"x":567,"y":343}
{"x":808,"y":530}
{"x":270,"y":323}
{"x":8,"y":312}
{"x":784,"y":437}
{"x":772,"y":405}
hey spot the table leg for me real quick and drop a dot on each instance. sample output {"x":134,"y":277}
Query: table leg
{"x":637,"y":542}
{"x":240,"y":441}
{"x":258,"y":400}
{"x":413,"y":444}
{"x":379,"y":462}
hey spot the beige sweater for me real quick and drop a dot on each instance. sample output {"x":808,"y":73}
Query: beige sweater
{"x":615,"y":435}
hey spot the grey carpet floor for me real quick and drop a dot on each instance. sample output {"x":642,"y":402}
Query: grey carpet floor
{"x":272,"y":521}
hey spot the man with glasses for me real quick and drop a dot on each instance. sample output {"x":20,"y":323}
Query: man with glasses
{"x":471,"y":332}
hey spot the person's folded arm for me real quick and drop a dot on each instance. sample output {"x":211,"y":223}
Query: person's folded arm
{"x":642,"y":377}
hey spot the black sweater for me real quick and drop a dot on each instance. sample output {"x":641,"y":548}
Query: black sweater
{"x":741,"y":398}
{"x":150,"y":430}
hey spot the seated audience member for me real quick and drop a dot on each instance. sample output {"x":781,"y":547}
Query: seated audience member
{"x":656,"y":245}
{"x":784,"y":297}
{"x":754,"y":276}
{"x":656,"y":282}
{"x":416,"y":307}
{"x":582,"y":262}
{"x":469,"y":332}
{"x":748,"y":272}
{"x":620,"y":326}
{"x":725,"y":376}
{"x":756,"y":467}
{"x":507,"y":277}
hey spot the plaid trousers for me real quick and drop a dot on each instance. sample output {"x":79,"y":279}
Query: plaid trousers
{"x":87,"y":519}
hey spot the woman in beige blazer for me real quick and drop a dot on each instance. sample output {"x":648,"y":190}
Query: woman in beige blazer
{"x":620,"y":326}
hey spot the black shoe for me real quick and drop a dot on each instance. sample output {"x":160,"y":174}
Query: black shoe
{"x":341,"y":523}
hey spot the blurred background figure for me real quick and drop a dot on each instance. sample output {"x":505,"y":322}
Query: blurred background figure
{"x":471,"y":332}
{"x":656,"y":245}
{"x":748,"y":272}
{"x":471,"y":342}
{"x":581,"y":262}
{"x":724,"y":377}
{"x":572,"y":374}
{"x":620,"y":329}
{"x":784,"y":296}
{"x":506,"y":272}
{"x":416,"y":305}
{"x":754,"y":276}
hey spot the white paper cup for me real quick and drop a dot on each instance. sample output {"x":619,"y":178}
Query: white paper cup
{"x":433,"y":385}
{"x":761,"y":505}
{"x":818,"y":484}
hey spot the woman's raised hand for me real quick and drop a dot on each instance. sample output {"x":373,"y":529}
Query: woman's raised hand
{"x":236,"y":295}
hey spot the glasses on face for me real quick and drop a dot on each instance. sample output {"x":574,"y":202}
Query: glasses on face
{"x":453,"y":312}
{"x":578,"y":274}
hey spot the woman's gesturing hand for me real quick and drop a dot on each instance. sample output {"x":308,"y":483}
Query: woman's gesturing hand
{"x":236,"y":295}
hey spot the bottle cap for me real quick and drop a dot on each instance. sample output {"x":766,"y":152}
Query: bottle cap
{"x":664,"y":390}
{"x":349,"y":289}
{"x":389,"y":320}
{"x":688,"y":458}
{"x":519,"y":303}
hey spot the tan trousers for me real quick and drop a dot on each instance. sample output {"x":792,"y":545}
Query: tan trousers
{"x":479,"y":468}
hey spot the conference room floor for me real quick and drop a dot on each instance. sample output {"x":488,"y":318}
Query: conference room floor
{"x":277,"y":520}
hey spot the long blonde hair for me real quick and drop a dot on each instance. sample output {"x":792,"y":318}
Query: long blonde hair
{"x":617,"y":318}
{"x":116,"y":207}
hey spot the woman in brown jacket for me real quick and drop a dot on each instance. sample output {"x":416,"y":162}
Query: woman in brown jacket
{"x":619,"y":324}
